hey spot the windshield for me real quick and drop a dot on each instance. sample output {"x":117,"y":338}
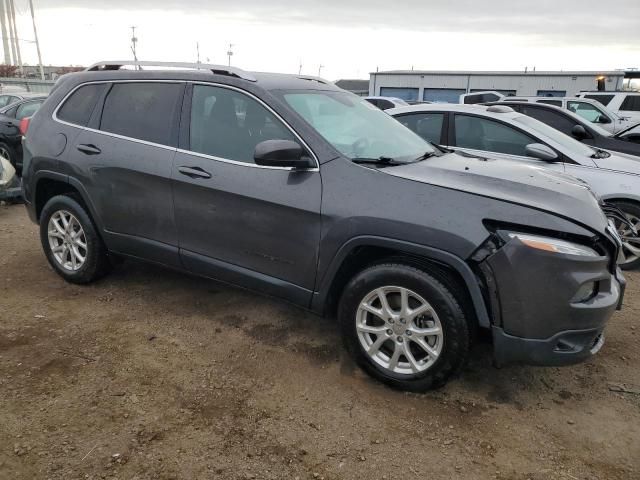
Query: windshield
{"x":564,"y":141}
{"x":356,"y":128}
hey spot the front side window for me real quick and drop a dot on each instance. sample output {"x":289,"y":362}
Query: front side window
{"x":228,"y":124}
{"x":585,"y":110}
{"x":5,"y":100}
{"x":545,"y":131}
{"x":77,"y":109}
{"x":427,"y":125}
{"x":142,"y":110}
{"x":354,"y":127}
{"x":483,"y":134}
{"x":27,"y":109}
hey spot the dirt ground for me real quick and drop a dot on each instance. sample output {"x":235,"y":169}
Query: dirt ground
{"x":151,"y":374}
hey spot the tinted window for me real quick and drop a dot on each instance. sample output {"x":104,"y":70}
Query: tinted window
{"x":603,"y":99}
{"x":427,"y":125}
{"x":631,"y":103}
{"x":554,"y":119}
{"x":386,"y":104}
{"x":228,"y":124}
{"x":27,"y":109}
{"x":551,"y":93}
{"x":481,"y":98}
{"x":142,"y":110}
{"x":483,"y":134}
{"x":79,"y":106}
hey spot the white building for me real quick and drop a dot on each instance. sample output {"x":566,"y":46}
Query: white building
{"x":447,"y":86}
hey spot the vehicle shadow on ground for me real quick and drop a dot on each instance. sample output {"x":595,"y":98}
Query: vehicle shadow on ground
{"x":279,"y":325}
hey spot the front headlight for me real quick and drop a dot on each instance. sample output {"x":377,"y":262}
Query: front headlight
{"x":554,"y":245}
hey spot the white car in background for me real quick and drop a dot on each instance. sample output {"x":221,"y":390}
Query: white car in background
{"x":625,"y":104}
{"x":501,"y":132}
{"x":591,"y":110}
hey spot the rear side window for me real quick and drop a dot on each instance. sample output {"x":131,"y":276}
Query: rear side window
{"x":427,"y":125}
{"x":145,"y":111}
{"x":77,"y":109}
{"x":603,"y":99}
{"x":631,"y":103}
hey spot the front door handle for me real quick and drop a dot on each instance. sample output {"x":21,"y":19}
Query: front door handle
{"x":194,"y":172}
{"x":89,"y":149}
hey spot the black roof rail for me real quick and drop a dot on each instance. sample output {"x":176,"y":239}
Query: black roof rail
{"x":216,"y":69}
{"x":311,"y":78}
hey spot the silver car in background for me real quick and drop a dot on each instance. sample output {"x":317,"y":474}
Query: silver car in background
{"x":477,"y":130}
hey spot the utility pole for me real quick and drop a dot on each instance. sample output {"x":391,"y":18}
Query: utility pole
{"x":134,"y":41}
{"x":16,"y":42}
{"x":5,"y":34}
{"x":320,"y":69}
{"x":198,"y":52}
{"x":230,"y":53}
{"x":300,"y":68}
{"x":35,"y":34}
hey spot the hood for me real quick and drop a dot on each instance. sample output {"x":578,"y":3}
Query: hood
{"x":529,"y":186}
{"x":620,"y":162}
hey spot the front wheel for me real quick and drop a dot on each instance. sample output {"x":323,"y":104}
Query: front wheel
{"x":404,"y":327}
{"x":630,"y":242}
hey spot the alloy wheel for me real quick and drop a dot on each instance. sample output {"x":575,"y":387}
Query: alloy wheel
{"x":67,"y":240}
{"x":399,"y":330}
{"x":630,"y":241}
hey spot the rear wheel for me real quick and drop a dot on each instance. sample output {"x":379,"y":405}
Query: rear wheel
{"x":70,"y":241}
{"x":404,"y":327}
{"x":630,"y":242}
{"x":9,"y":153}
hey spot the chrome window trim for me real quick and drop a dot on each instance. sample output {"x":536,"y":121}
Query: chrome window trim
{"x":54,"y":116}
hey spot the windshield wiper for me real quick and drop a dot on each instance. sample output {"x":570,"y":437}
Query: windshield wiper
{"x":386,"y":161}
{"x":599,"y":153}
{"x":441,"y":148}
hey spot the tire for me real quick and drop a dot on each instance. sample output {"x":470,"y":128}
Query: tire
{"x":65,"y":262}
{"x":632,"y":212}
{"x":448,"y":349}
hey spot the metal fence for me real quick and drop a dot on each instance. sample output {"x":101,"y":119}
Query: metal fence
{"x":28,"y":84}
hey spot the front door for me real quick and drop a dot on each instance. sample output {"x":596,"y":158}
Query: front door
{"x":250,"y":225}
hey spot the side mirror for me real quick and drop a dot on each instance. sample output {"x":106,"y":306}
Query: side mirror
{"x":282,"y":153}
{"x":579,"y":132}
{"x":603,"y":119}
{"x":541,"y":152}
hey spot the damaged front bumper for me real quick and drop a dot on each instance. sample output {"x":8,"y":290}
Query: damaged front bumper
{"x":550,"y":308}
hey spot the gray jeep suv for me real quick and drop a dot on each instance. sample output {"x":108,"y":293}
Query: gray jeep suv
{"x":289,"y":186}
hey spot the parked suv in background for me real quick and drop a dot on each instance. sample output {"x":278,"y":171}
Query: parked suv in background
{"x":625,"y":104}
{"x":591,"y":110}
{"x":292,"y":187}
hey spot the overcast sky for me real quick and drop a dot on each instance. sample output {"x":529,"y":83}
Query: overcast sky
{"x":350,"y":38}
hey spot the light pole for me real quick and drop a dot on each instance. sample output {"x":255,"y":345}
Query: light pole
{"x":320,"y":69}
{"x":35,"y":33}
{"x":230,"y":53}
{"x":134,"y":41}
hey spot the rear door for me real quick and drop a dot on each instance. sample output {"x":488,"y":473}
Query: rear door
{"x":125,"y":157}
{"x":243,"y":223}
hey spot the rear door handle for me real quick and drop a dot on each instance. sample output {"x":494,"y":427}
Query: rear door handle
{"x":89,"y":149}
{"x":194,"y":172}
